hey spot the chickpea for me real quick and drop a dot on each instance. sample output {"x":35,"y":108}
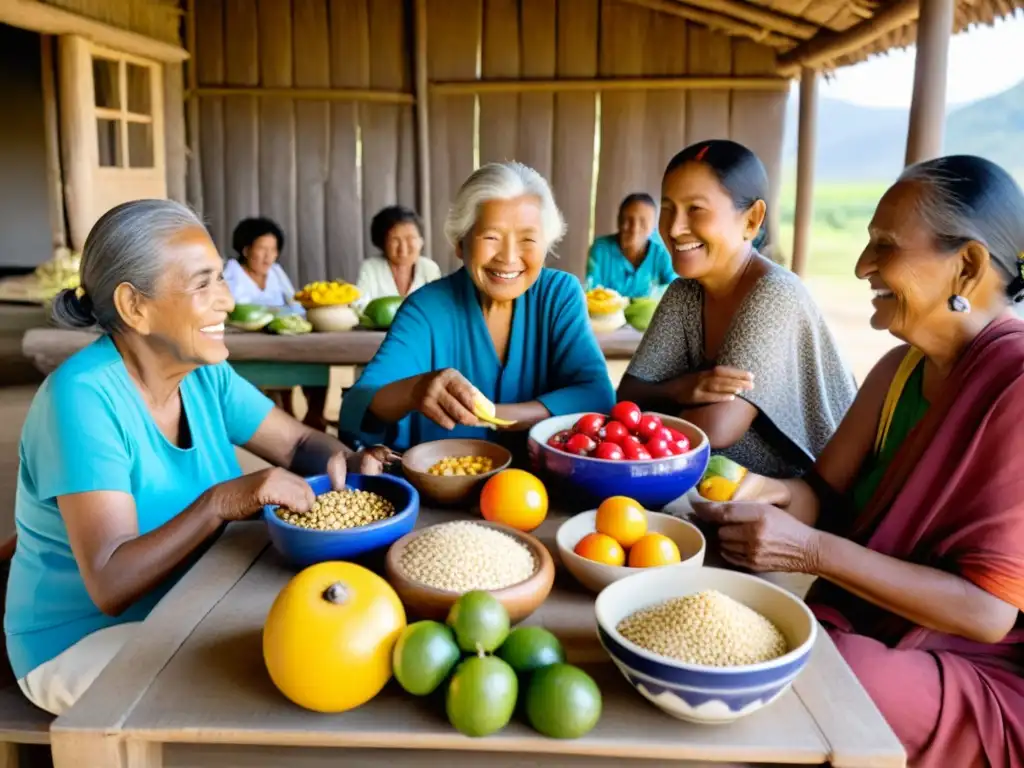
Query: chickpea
{"x":461,"y":466}
{"x":340,"y":510}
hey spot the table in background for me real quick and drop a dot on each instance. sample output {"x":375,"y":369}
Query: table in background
{"x":191,"y":689}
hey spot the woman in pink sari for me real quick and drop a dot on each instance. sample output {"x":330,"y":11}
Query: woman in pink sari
{"x":913,"y":520}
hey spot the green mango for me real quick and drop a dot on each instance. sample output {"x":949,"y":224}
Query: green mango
{"x":290,"y":325}
{"x":639,"y":313}
{"x":250,"y":317}
{"x":380,"y":312}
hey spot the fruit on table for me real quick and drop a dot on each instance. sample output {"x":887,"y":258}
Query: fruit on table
{"x":652,"y":550}
{"x":527,"y":649}
{"x":601,"y":548}
{"x":627,"y":434}
{"x":721,"y":479}
{"x":590,"y":425}
{"x":605,"y":301}
{"x":329,"y":636}
{"x":481,"y":695}
{"x":380,"y":312}
{"x":563,"y":701}
{"x":623,"y":519}
{"x":289,"y":325}
{"x":608,"y":452}
{"x":484,"y":410}
{"x":327,"y":294}
{"x":515,"y":498}
{"x":424,"y":656}
{"x":479,"y":621}
{"x":649,"y":426}
{"x":628,"y":414}
{"x":250,"y":317}
{"x":639,"y":313}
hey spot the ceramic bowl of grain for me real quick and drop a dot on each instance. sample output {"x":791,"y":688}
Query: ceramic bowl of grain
{"x":432,"y":468}
{"x":432,"y":567}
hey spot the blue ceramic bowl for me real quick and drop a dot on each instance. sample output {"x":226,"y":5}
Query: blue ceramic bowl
{"x":653,"y":483}
{"x":693,"y":692}
{"x":304,"y":546}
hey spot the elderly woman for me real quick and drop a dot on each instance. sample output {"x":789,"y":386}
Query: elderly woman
{"x":914,"y":518}
{"x":633,"y":261}
{"x":502,"y":326}
{"x":128,"y":466}
{"x":401,"y":268}
{"x":738,"y":346}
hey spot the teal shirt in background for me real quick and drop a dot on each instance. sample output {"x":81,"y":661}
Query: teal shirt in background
{"x":88,"y":429}
{"x":608,"y":267}
{"x":553,"y":356}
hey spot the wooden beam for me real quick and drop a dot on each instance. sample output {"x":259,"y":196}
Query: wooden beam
{"x":719,"y":22}
{"x":422,"y":117}
{"x":469,"y":87}
{"x":807,"y":138}
{"x":47,"y":19}
{"x":54,"y":175}
{"x":755,"y":14}
{"x":309,"y":94}
{"x":195,"y":163}
{"x":931,"y":65}
{"x":827,"y":46}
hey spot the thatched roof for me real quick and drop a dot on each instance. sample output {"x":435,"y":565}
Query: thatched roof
{"x":825,"y":34}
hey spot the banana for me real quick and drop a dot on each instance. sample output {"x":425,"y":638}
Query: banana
{"x":484,"y":410}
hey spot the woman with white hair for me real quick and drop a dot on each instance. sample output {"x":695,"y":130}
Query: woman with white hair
{"x":502,"y":326}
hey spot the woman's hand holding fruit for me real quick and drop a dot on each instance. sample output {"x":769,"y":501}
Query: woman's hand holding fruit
{"x":447,"y":398}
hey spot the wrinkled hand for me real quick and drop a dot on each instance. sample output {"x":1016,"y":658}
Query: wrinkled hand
{"x":239,"y":498}
{"x":763,"y":489}
{"x":720,"y":384}
{"x":369,"y":461}
{"x":761,"y":537}
{"x":447,"y":398}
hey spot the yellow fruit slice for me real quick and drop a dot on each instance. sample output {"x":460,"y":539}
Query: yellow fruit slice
{"x":717,"y":488}
{"x":484,"y":410}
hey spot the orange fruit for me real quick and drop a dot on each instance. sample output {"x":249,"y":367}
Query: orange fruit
{"x":515,"y":498}
{"x":601,"y":549}
{"x":653,"y":550}
{"x":623,"y":519}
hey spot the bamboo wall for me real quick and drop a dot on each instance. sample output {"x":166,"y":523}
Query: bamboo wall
{"x":159,"y":19}
{"x":322,"y":168}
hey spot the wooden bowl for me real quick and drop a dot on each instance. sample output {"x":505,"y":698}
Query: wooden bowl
{"x":451,"y":490}
{"x":520,"y":600}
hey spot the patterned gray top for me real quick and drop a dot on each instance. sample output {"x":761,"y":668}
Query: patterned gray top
{"x":801,"y":383}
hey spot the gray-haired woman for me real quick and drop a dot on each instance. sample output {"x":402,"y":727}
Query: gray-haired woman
{"x":502,"y":326}
{"x":128,"y":465}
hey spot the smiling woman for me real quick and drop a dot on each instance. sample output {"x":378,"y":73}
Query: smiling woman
{"x":502,"y":328}
{"x":128,"y":468}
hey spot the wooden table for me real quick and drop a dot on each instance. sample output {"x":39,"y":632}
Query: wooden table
{"x":276,"y":361}
{"x":192,"y":690}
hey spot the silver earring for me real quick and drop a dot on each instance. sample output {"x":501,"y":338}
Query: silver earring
{"x":958,"y":303}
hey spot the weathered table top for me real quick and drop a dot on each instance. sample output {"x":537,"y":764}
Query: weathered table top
{"x":192,"y":689}
{"x":49,"y":347}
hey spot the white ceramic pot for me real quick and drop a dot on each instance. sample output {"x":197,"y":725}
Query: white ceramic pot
{"x":337,"y":318}
{"x":608,"y":322}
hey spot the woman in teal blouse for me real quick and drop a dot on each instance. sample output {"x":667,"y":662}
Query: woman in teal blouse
{"x":634,"y":261}
{"x":502,"y":326}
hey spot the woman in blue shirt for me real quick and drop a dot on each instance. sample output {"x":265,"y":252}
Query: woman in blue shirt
{"x":502,"y":326}
{"x":634,"y":261}
{"x":127,"y":457}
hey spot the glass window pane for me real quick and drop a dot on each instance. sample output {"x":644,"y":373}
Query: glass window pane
{"x":106,"y":84}
{"x":139,"y":100}
{"x":109,"y":134}
{"x":140,"y":145}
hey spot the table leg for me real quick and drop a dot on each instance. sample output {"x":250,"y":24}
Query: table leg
{"x":8,"y":755}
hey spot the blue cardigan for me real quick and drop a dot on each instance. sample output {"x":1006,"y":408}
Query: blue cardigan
{"x":553,"y":356}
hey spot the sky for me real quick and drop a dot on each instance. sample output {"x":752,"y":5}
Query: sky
{"x":979,"y":66}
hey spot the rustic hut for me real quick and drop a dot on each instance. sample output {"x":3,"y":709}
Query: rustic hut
{"x":318,"y":112}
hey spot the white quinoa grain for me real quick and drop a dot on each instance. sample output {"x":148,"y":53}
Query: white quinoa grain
{"x":706,"y":628}
{"x":462,"y":556}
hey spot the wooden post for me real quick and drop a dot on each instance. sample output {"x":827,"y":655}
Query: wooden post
{"x":928,"y":103}
{"x":422,"y":118}
{"x":194,"y":185}
{"x":54,"y":176}
{"x":807,"y":138}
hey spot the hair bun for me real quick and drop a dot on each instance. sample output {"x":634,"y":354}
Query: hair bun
{"x":73,"y":311}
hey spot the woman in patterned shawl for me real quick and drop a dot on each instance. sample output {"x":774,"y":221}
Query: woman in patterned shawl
{"x":737,"y":345}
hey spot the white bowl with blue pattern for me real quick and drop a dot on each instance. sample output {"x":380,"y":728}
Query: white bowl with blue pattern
{"x":694,"y":692}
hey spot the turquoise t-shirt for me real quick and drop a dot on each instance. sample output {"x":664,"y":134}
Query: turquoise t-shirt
{"x":88,"y":429}
{"x":553,"y":356}
{"x":608,"y":267}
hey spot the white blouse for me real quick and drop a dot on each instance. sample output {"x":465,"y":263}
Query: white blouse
{"x":376,"y":280}
{"x":279,"y":291}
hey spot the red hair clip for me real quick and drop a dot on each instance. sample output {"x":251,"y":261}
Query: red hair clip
{"x":699,"y":157}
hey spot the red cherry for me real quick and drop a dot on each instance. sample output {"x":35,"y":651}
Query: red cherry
{"x":559,"y":439}
{"x":634,"y":451}
{"x":674,"y":449}
{"x":614,"y":432}
{"x":633,"y":439}
{"x":579,"y":444}
{"x":679,"y":439}
{"x":608,"y":451}
{"x":663,"y":433}
{"x":658,"y":448}
{"x":649,"y":425}
{"x":628,"y":413}
{"x":590,"y":425}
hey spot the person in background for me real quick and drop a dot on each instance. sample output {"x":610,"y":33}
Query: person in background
{"x":913,"y":519}
{"x":127,"y":465}
{"x":256,"y":277}
{"x":503,"y":326}
{"x":634,"y":261}
{"x":737,"y":345}
{"x":401,"y":267}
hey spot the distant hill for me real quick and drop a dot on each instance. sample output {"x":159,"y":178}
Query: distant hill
{"x":864,"y":144}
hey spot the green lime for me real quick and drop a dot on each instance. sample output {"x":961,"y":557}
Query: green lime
{"x":424,"y":655}
{"x":481,"y":696}
{"x":529,"y":648}
{"x":480,"y":622}
{"x":563,"y":701}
